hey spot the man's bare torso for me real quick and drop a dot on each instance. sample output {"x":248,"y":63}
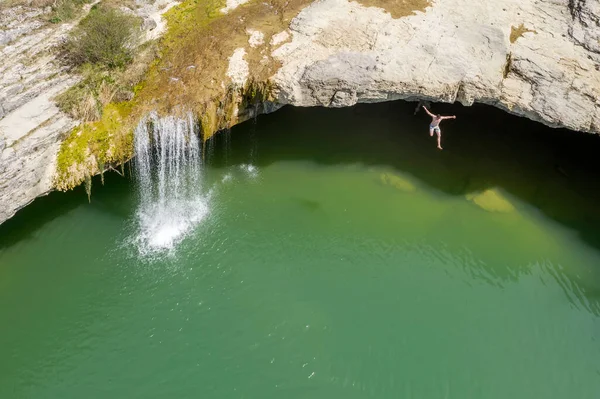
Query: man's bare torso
{"x":435,"y":121}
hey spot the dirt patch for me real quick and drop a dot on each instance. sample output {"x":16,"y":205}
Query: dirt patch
{"x":507,"y":66}
{"x":397,"y":8}
{"x":192,"y":70}
{"x":517,"y":32}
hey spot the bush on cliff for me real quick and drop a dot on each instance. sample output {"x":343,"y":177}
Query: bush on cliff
{"x":106,"y":37}
{"x":104,"y":50}
{"x":62,"y":10}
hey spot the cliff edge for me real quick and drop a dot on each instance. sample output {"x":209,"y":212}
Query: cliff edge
{"x":538,"y":59}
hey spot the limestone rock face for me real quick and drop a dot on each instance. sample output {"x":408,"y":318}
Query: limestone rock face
{"x":342,"y":53}
{"x":31,"y":126}
{"x":585,"y":29}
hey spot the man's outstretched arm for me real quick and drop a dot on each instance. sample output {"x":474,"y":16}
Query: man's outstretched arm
{"x":449,"y":117}
{"x":428,"y":113}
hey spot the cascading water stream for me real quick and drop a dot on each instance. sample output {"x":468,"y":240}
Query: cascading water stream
{"x":168,"y":167}
{"x":227,"y":145}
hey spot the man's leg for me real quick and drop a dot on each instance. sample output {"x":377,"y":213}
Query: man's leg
{"x":439,"y":134}
{"x":431,"y":131}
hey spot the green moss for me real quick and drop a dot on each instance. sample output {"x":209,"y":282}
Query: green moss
{"x":256,"y":92}
{"x":91,"y":146}
{"x":208,"y":121}
{"x":82,"y":101}
{"x":188,"y":16}
{"x":66,"y":10}
{"x":231,"y":109}
{"x":225,"y":112}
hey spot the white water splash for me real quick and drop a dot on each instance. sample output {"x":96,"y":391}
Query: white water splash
{"x":250,"y":170}
{"x":226,"y":178}
{"x":168,"y":168}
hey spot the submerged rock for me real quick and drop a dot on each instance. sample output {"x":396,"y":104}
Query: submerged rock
{"x":491,"y":200}
{"x":397,"y":182}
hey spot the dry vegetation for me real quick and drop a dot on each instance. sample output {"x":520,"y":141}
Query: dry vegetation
{"x":192,"y":70}
{"x":517,"y":32}
{"x":102,"y":49}
{"x":397,"y":8}
{"x":27,"y":3}
{"x":66,"y":10}
{"x":106,"y":37}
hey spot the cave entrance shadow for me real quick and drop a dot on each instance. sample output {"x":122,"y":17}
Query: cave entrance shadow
{"x":554,"y":170}
{"x":43,"y":210}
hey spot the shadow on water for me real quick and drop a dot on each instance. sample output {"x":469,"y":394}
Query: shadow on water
{"x":555,"y":170}
{"x":47,"y":208}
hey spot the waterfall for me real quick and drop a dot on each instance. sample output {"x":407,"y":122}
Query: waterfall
{"x":227,"y":145}
{"x":168,"y":169}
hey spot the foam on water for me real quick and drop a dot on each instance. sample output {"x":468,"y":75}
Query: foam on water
{"x":250,"y":170}
{"x":162,"y":230}
{"x":168,"y":167}
{"x":226,"y":178}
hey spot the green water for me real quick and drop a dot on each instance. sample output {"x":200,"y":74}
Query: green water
{"x":347,"y":262}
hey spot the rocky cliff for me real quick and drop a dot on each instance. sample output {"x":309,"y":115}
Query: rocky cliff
{"x":535,"y":58}
{"x":31,"y":125}
{"x":538,"y":59}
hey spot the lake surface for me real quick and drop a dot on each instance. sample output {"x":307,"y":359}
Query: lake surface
{"x":335,"y":254}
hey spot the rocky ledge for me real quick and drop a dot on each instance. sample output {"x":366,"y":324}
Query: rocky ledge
{"x":536,"y":58}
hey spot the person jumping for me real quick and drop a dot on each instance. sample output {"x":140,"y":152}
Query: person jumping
{"x":434,"y":126}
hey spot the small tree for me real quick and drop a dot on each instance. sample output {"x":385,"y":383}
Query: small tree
{"x":106,"y":37}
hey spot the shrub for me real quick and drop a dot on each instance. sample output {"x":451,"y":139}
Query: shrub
{"x":82,"y":101}
{"x":99,"y":86}
{"x":62,"y":10}
{"x":106,"y":37}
